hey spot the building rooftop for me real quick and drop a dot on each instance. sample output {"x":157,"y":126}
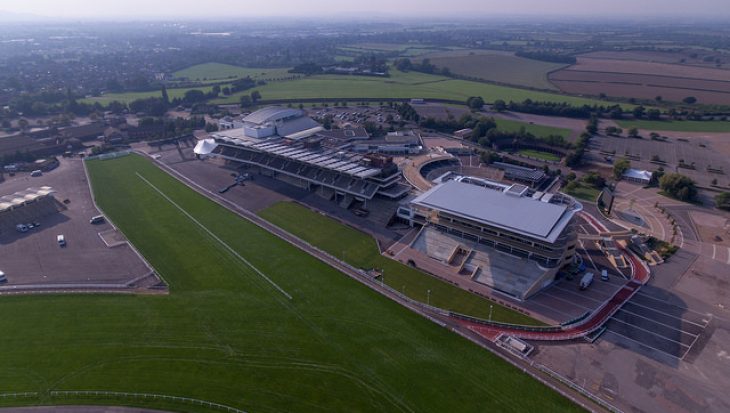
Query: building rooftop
{"x":272,"y":114}
{"x":637,"y":174}
{"x":505,"y":208}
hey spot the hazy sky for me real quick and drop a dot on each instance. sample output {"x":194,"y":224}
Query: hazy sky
{"x":329,"y":8}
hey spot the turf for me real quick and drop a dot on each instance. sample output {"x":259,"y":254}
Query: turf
{"x":399,"y":85}
{"x":131,"y":96}
{"x":225,"y":335}
{"x":584,"y":192}
{"x":679,"y":126}
{"x":537,"y":130}
{"x":221,"y":71}
{"x":360,"y":250}
{"x":497,"y":66}
{"x":546,"y":156}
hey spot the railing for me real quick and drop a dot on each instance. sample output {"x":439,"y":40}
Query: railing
{"x":144,"y":396}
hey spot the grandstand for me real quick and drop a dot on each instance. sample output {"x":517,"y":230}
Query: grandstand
{"x":336,"y":175}
{"x":278,"y":122}
{"x":27,"y":206}
{"x":509,"y":237}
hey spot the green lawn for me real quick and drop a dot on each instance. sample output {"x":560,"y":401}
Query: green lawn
{"x":221,"y":71}
{"x":680,"y":126}
{"x":546,"y":156}
{"x":496,"y":66}
{"x":399,"y":85}
{"x":508,"y":125}
{"x":360,"y":250}
{"x":131,"y":96}
{"x":224,"y":334}
{"x":583,"y":191}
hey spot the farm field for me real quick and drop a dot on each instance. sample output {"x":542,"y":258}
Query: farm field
{"x":496,"y":66}
{"x":400,"y":85}
{"x":678,"y":126}
{"x":644,"y":80}
{"x":224,"y":334}
{"x":221,"y":71}
{"x":360,"y":250}
{"x":545,"y":156}
{"x":537,"y":130}
{"x":132,"y":96}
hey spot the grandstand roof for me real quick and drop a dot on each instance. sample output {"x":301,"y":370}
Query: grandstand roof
{"x":520,"y":172}
{"x":272,"y":114}
{"x":499,"y":208}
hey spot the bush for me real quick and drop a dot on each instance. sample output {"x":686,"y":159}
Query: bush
{"x":678,"y":186}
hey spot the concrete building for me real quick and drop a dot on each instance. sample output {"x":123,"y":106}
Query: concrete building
{"x":509,"y":227}
{"x":637,"y":176}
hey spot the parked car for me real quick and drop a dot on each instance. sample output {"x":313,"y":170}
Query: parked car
{"x":61,"y":240}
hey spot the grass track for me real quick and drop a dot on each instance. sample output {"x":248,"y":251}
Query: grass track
{"x":360,"y":250}
{"x":508,"y":125}
{"x":225,"y":335}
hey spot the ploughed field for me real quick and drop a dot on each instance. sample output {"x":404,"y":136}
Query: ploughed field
{"x":225,"y":334}
{"x":644,"y":79}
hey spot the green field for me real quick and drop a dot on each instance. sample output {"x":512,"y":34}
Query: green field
{"x":679,"y":126}
{"x":545,"y":156}
{"x":221,"y":71}
{"x":360,"y":250}
{"x":495,"y":66}
{"x":132,"y":96}
{"x":584,"y":192}
{"x":224,"y":334}
{"x":508,"y":125}
{"x":399,"y":85}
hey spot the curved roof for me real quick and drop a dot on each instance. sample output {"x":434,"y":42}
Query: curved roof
{"x":271,"y":113}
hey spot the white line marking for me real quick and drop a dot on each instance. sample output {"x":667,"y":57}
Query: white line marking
{"x":642,"y":344}
{"x":667,"y":314}
{"x":648,"y":331}
{"x":728,"y":256}
{"x":714,"y":251}
{"x":645,"y":295}
{"x":656,"y":322}
{"x":215,"y":237}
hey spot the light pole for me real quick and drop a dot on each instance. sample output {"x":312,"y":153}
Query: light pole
{"x":490,"y":311}
{"x":428,"y":297}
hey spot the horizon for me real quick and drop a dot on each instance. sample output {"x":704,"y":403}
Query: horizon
{"x":317,"y":9}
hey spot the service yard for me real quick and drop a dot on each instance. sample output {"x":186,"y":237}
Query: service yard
{"x":35,"y":260}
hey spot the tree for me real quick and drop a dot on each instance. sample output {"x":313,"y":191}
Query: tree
{"x":595,"y":180}
{"x":246,"y":101}
{"x":653,"y":114}
{"x":165,"y":97}
{"x":614,"y":131}
{"x":475,"y":103}
{"x":633,"y":133}
{"x":570,"y":176}
{"x":690,"y":100}
{"x":23,"y":123}
{"x":499,"y":105}
{"x":194,"y":96}
{"x":620,"y":167}
{"x":678,"y":186}
{"x":722,"y":201}
{"x":255,"y":96}
{"x":639,"y":112}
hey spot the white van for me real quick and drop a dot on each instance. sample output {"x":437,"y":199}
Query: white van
{"x":36,"y":173}
{"x":3,"y":278}
{"x":61,"y":240}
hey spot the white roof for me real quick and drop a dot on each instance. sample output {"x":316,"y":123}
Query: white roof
{"x":638,"y":174}
{"x":520,"y":214}
{"x":271,"y":114}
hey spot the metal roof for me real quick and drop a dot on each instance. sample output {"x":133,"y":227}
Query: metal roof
{"x":271,"y":114}
{"x":519,"y":214}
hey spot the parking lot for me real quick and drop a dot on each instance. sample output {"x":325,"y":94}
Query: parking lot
{"x":34,"y":259}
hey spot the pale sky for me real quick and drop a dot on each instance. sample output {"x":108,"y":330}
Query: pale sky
{"x":363,"y":8}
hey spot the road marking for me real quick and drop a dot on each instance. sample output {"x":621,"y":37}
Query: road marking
{"x":215,"y":237}
{"x":648,"y":331}
{"x":714,"y":251}
{"x":667,"y":314}
{"x":642,"y":344}
{"x":728,"y":256}
{"x":587,"y":255}
{"x":657,"y":322}
{"x":645,"y":295}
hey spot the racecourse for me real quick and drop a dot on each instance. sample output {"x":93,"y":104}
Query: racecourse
{"x":227,"y":335}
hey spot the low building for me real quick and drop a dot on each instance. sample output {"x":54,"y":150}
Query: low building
{"x":529,"y":176}
{"x":464,"y":133}
{"x":535,"y":229}
{"x":637,"y":176}
{"x":394,"y":143}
